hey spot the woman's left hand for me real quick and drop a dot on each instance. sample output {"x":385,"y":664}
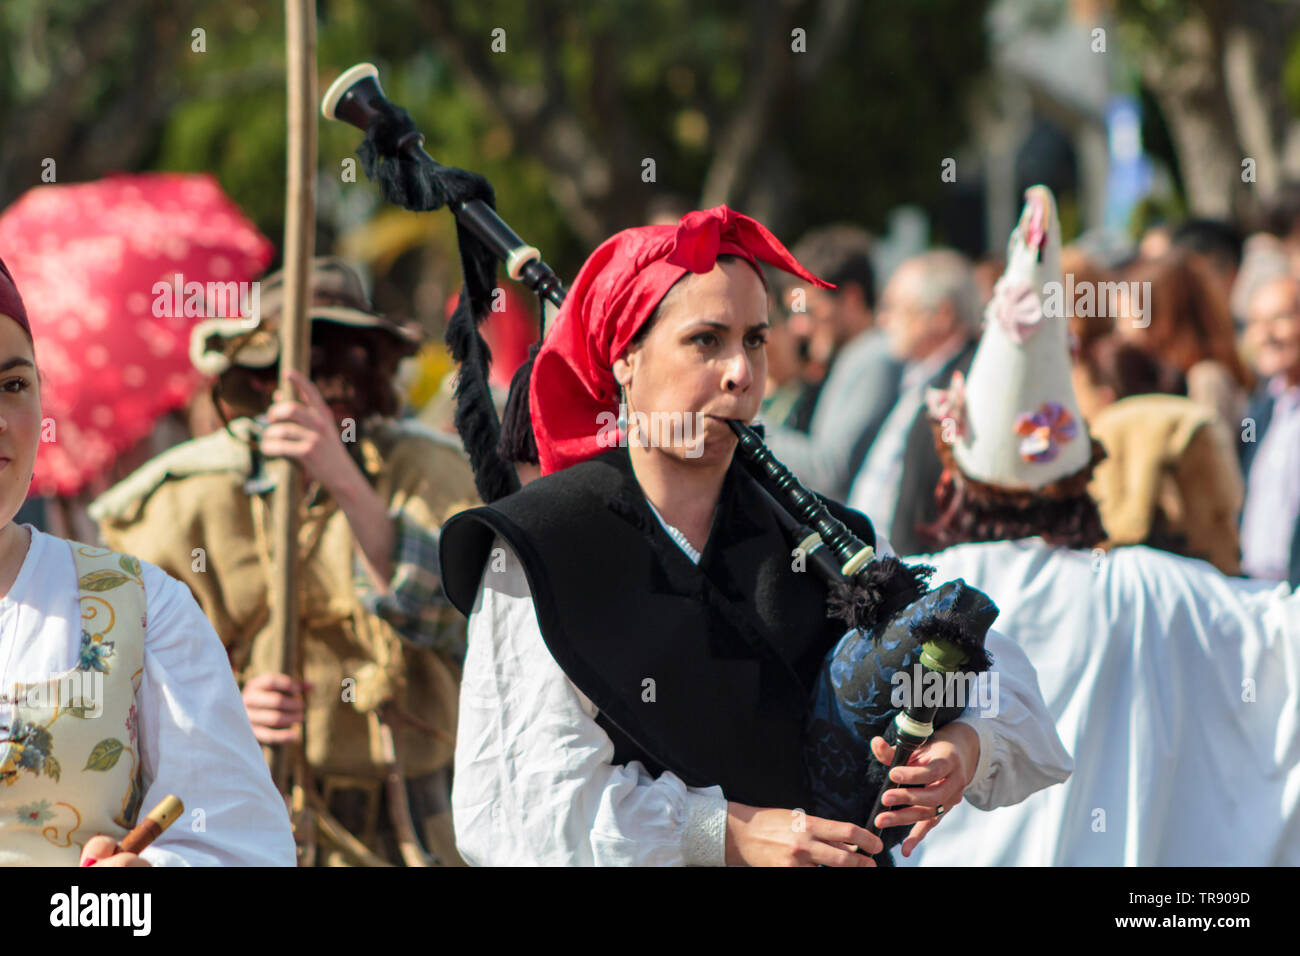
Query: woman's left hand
{"x":943,"y":766}
{"x":102,"y":851}
{"x":307,"y":433}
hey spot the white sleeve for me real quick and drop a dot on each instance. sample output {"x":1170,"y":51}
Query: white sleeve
{"x":1020,"y":751}
{"x":197,"y":743}
{"x":883,"y":548}
{"x":534,"y":783}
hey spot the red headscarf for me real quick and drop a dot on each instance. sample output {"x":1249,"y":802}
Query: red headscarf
{"x":616,"y":290}
{"x":11,"y":303}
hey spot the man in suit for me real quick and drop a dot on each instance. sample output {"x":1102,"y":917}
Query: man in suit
{"x":931,"y":313}
{"x":862,"y":382}
{"x":1270,"y":453}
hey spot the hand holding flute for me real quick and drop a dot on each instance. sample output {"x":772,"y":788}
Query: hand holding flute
{"x":105,"y":851}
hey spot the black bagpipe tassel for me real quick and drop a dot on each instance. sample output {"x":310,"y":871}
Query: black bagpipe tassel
{"x":518,"y":443}
{"x":407,"y":176}
{"x":883,"y":586}
{"x":475,"y":417}
{"x":410,"y":178}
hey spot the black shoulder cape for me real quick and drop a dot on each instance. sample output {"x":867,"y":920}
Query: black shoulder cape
{"x":732,"y":645}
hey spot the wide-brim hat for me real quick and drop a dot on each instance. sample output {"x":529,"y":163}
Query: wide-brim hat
{"x":253,"y":341}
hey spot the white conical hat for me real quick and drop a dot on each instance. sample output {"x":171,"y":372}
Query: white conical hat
{"x":1014,"y":421}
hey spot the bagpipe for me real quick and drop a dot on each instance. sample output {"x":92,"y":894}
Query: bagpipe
{"x":901,"y":669}
{"x":874,"y":680}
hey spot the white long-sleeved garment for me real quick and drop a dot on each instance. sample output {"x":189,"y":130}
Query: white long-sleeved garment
{"x":195,"y":738}
{"x":534,"y":781}
{"x":1176,"y":688}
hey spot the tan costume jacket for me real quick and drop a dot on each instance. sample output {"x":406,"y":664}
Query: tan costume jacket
{"x":1170,"y":479}
{"x":187,"y":511}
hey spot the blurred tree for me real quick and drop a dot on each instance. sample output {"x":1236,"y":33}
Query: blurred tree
{"x":798,"y":111}
{"x":794,"y":110}
{"x":85,"y":84}
{"x":1216,"y":68}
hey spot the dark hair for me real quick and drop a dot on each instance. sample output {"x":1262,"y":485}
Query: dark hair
{"x":839,"y":253}
{"x":1062,"y":513}
{"x":1095,"y":323}
{"x":1072,"y":522}
{"x":1189,"y":320}
{"x":517,"y":443}
{"x":1282,"y":213}
{"x":1127,"y":370}
{"x":1220,"y":242}
{"x":365,"y":359}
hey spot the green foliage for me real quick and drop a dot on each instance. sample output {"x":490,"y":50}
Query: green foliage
{"x":1291,"y":77}
{"x":890,"y":109}
{"x":867,"y":133}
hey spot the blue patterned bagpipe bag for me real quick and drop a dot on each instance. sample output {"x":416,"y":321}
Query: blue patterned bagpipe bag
{"x":862,"y":684}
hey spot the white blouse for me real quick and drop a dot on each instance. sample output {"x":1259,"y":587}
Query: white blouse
{"x":535,"y":785}
{"x":195,"y":738}
{"x":1176,"y":688}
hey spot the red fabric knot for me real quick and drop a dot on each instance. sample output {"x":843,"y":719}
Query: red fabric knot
{"x":701,"y":236}
{"x":698,"y":236}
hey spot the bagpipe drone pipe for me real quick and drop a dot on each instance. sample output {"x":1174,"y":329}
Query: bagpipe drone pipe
{"x":895,"y":625}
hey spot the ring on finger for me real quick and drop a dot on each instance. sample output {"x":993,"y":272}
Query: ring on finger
{"x":940,"y":811}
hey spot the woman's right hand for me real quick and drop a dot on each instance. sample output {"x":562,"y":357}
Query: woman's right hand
{"x":102,"y":851}
{"x":759,"y":836}
{"x":275,"y":708}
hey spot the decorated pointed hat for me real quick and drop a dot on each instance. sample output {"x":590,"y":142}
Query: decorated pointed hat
{"x":1013,"y":423}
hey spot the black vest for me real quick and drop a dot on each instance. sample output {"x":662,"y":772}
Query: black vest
{"x":732,"y":646}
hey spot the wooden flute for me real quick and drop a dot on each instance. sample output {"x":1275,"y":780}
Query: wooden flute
{"x":152,"y":826}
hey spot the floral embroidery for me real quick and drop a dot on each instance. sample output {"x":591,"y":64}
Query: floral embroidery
{"x":1045,"y":431}
{"x":105,"y":755}
{"x":34,"y":814}
{"x":1016,"y":308}
{"x":93,"y":655}
{"x":29,"y":749}
{"x":105,"y":579}
{"x":42,"y":810}
{"x":949,"y":405}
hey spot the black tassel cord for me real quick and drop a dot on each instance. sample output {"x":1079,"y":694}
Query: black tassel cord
{"x":880,"y":590}
{"x":412,"y":180}
{"x":518,"y":443}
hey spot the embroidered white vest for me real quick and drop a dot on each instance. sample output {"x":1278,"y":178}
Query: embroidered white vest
{"x":70,"y":761}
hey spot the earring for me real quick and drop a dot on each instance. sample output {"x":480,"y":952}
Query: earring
{"x":622,"y":409}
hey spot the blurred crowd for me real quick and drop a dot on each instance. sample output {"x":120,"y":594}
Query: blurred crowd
{"x":1186,"y":350}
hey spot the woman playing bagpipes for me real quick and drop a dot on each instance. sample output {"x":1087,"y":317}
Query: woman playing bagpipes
{"x":644,"y":646}
{"x":113,"y":687}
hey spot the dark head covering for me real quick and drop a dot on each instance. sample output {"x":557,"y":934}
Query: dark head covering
{"x":11,"y":303}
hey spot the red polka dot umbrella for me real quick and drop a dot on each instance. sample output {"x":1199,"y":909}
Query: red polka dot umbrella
{"x":114,"y":274}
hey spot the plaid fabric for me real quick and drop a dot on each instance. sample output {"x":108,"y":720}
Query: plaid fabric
{"x":415,"y":606}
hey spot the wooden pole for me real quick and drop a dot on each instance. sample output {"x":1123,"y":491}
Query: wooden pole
{"x":299,"y":246}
